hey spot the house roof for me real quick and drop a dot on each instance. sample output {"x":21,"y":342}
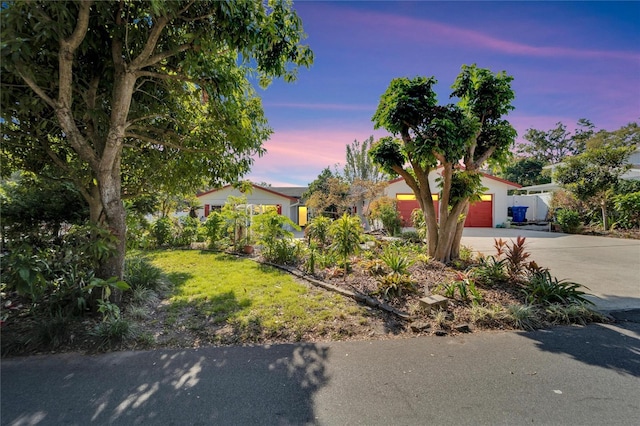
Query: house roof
{"x":293,"y":193}
{"x":545,"y":187}
{"x":486,"y":175}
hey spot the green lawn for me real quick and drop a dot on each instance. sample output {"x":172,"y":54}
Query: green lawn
{"x":258,"y":301}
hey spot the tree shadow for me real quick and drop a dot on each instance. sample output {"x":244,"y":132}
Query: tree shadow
{"x":614,"y":345}
{"x":234,"y":385}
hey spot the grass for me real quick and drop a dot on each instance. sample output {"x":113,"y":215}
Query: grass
{"x":258,"y":301}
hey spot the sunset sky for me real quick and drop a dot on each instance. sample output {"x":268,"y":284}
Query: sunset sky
{"x":569,"y":60}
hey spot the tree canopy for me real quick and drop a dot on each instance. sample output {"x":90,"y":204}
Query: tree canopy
{"x":120,"y":97}
{"x":594,"y":174}
{"x":359,"y":166}
{"x":552,"y":146}
{"x":459,"y":138}
{"x":526,"y":171}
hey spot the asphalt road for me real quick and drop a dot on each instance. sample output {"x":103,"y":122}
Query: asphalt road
{"x":609,"y":267}
{"x":563,"y":376}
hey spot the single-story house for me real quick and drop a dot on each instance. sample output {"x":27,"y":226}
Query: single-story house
{"x":489,"y":212}
{"x":285,"y":199}
{"x":538,"y":197}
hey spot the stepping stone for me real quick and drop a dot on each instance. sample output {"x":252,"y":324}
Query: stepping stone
{"x":433,"y":301}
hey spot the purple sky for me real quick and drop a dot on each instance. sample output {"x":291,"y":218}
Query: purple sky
{"x":569,"y":60}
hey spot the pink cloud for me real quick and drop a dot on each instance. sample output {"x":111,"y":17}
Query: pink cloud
{"x":296,"y":157}
{"x":419,"y":30}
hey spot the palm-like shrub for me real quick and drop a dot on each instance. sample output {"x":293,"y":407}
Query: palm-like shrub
{"x":318,"y":230}
{"x":345,"y":233}
{"x":269,"y":228}
{"x":544,"y":289}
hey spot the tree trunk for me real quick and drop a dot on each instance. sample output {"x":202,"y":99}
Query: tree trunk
{"x":448,"y":232}
{"x":457,"y":238}
{"x":605,"y":216}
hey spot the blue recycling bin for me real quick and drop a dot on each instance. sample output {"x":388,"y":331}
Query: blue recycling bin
{"x":519,"y":213}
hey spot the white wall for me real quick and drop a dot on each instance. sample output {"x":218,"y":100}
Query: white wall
{"x":258,"y":196}
{"x":538,"y":205}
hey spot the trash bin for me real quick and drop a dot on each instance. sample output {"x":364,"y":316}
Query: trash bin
{"x":519,"y":213}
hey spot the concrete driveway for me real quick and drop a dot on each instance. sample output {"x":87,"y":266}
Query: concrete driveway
{"x":609,"y":267}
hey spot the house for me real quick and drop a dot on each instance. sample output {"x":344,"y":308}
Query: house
{"x":538,"y":197}
{"x":285,"y":199}
{"x":489,"y":212}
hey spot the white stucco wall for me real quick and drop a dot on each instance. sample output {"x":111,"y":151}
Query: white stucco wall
{"x":538,"y":205}
{"x":258,"y":196}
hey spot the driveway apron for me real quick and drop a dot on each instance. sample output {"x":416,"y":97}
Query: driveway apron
{"x":608,"y":267}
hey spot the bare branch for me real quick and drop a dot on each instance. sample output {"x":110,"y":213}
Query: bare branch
{"x":37,"y":89}
{"x":164,"y":55}
{"x":168,"y":144}
{"x":140,"y":61}
{"x":68,"y":48}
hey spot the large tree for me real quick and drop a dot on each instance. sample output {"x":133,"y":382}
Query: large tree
{"x":458,"y":138}
{"x":359,"y":165}
{"x":554,"y":145}
{"x":116,"y":96}
{"x":526,"y":171}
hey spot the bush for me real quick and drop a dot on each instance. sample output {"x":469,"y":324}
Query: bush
{"x":187,"y":231}
{"x":543,"y":289}
{"x":345,"y":233}
{"x":318,"y":230}
{"x":395,"y":285}
{"x":627,"y":207}
{"x":395,"y":260}
{"x":139,"y":272}
{"x":384,"y":210}
{"x":214,"y":227}
{"x":417,"y":218}
{"x":490,"y":270}
{"x":163,"y":231}
{"x":569,"y":220}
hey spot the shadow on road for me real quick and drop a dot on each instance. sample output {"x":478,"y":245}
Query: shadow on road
{"x":613,"y":346}
{"x":248,"y":386}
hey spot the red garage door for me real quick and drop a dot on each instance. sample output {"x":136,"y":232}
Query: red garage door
{"x":480,"y":213}
{"x":406,"y":203}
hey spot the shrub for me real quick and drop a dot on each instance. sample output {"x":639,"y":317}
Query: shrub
{"x":318,"y":230}
{"x":524,"y":317}
{"x":345,"y":233}
{"x":543,"y":289}
{"x":395,"y":285}
{"x":139,"y":272}
{"x":384,"y":210}
{"x":396,"y":262}
{"x":490,"y":270}
{"x":187,"y":231}
{"x":627,"y":206}
{"x":163,"y":231}
{"x":277,"y":242}
{"x":516,"y":256}
{"x":417,"y":218}
{"x":569,"y":220}
{"x":283,"y":252}
{"x":411,"y":236}
{"x":214,"y":227}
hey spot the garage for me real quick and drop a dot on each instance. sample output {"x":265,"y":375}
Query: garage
{"x":490,"y":211}
{"x":406,"y":203}
{"x":480,"y":213}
